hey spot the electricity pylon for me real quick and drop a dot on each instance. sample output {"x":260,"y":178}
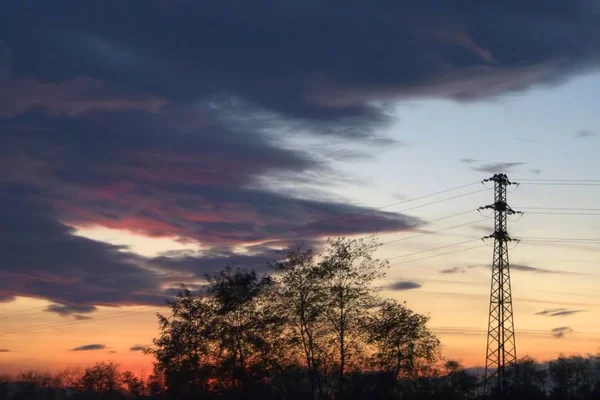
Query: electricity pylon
{"x":501,"y":349}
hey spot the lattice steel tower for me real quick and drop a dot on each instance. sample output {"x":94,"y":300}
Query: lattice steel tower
{"x":501,"y":349}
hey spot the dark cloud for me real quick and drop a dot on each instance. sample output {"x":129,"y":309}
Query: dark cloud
{"x":404,"y":285}
{"x":138,"y":347}
{"x":558,"y":312}
{"x":468,"y":160}
{"x":584,"y":133}
{"x":90,"y":347}
{"x":43,"y":258}
{"x":71,"y":97}
{"x":4,"y":351}
{"x":454,"y":270}
{"x":500,"y":167}
{"x":561,"y":332}
{"x":6,"y":298}
{"x":71,"y":310}
{"x":529,"y":268}
{"x":306,"y":61}
{"x":181,"y":132}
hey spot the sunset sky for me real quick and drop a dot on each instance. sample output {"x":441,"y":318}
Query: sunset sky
{"x":144,"y":144}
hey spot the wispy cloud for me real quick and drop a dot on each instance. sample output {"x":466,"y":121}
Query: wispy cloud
{"x":90,"y":347}
{"x":499,"y":167}
{"x":529,"y":268}
{"x":74,"y":310}
{"x":4,"y":351}
{"x":404,"y":285}
{"x":559,"y":312}
{"x":454,"y":270}
{"x":138,"y":347}
{"x":468,"y":160}
{"x":584,"y":133}
{"x":561,"y":332}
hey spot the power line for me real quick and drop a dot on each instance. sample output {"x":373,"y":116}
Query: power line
{"x":559,"y":241}
{"x":436,"y":231}
{"x":560,"y":208}
{"x":560,"y":183}
{"x":438,"y":255}
{"x":561,"y":213}
{"x":61,"y":324}
{"x":433,"y":249}
{"x":350,"y":215}
{"x":522,"y":331}
{"x":38,"y":310}
{"x":559,"y":238}
{"x":21,"y":310}
{"x":558,"y":180}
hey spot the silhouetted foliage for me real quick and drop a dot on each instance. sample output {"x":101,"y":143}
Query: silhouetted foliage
{"x":101,"y":381}
{"x":314,"y":330}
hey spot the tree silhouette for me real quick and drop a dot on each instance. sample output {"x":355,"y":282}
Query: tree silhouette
{"x":241,"y":323}
{"x":350,"y":268}
{"x":184,"y":351}
{"x":101,"y":381}
{"x":402,"y":343}
{"x":301,"y":301}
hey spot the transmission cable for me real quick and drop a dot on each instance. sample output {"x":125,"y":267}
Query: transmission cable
{"x":436,"y":231}
{"x":433,"y":249}
{"x":437,"y":255}
{"x":558,"y":208}
{"x":370,"y":210}
{"x":561,"y":213}
{"x":61,"y":324}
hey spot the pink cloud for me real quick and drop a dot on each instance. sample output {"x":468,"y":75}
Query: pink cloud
{"x":484,"y":81}
{"x":72,"y":97}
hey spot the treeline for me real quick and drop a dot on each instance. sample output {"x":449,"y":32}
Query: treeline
{"x":310,"y":330}
{"x":314,"y":329}
{"x":572,"y":378}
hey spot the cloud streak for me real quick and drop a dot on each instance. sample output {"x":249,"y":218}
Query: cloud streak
{"x":404,"y":285}
{"x":74,"y":310}
{"x":90,"y":347}
{"x":584,"y":133}
{"x":454,"y":270}
{"x":561,"y":332}
{"x":559,"y":312}
{"x":499,"y":167}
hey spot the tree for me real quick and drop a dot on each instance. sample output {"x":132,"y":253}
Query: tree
{"x":103,"y":380}
{"x":155,"y":386}
{"x":242,"y":324}
{"x":349,"y":268}
{"x":133,"y":384}
{"x":402,"y":344}
{"x":301,"y":301}
{"x":224,"y":339}
{"x":401,"y":340}
{"x":526,"y":379}
{"x":184,"y":351}
{"x":4,"y":382}
{"x":70,"y":378}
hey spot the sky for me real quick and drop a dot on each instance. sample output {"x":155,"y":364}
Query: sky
{"x":144,"y":144}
